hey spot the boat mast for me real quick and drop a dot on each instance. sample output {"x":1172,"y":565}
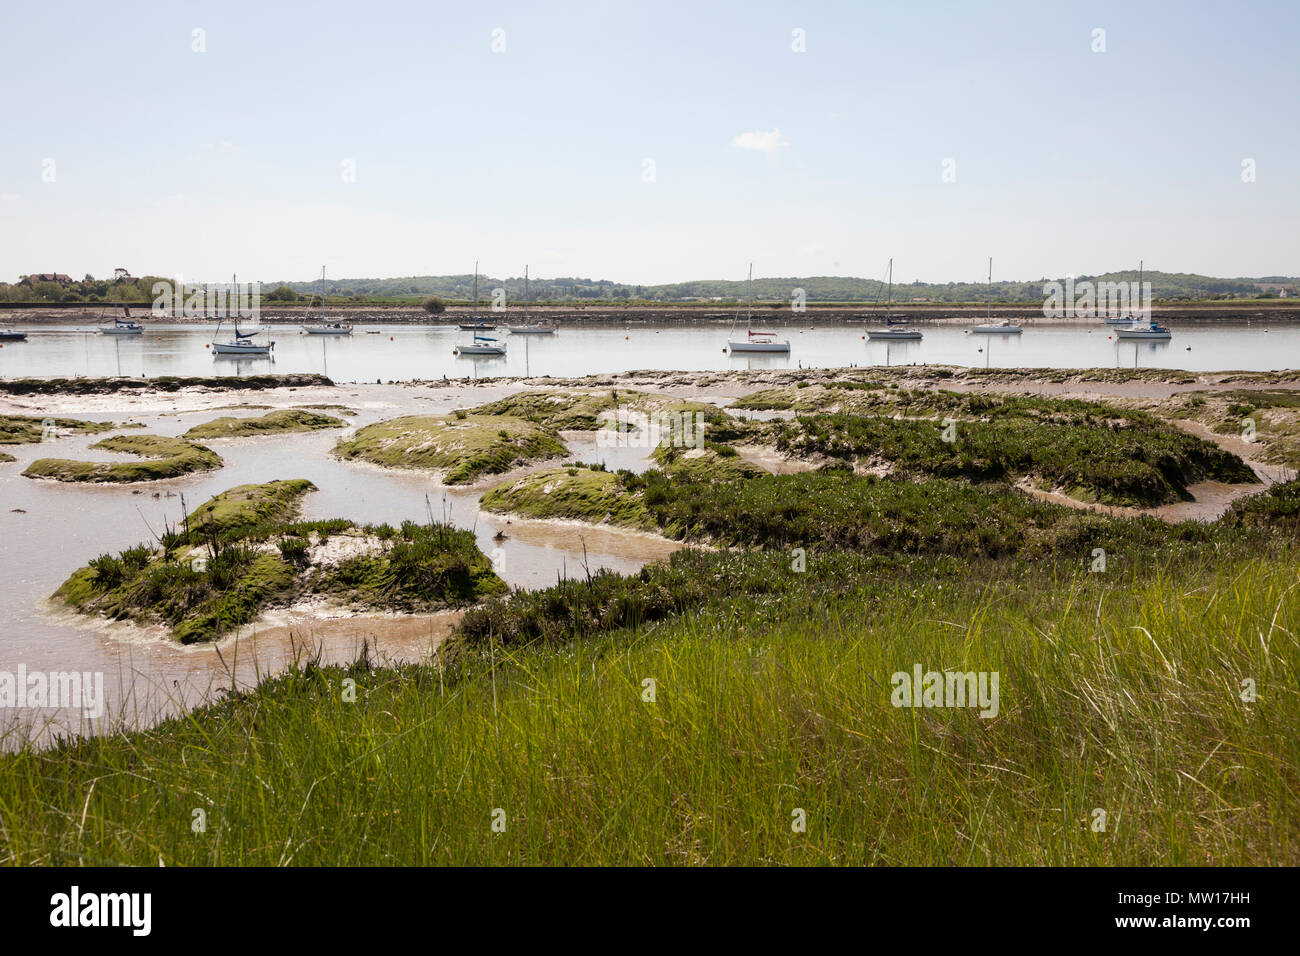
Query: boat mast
{"x":749,"y":307}
{"x":1140,"y":264}
{"x":988,"y":305}
{"x":474,"y":312}
{"x":322,"y":295}
{"x":889,"y":302}
{"x":525,"y":294}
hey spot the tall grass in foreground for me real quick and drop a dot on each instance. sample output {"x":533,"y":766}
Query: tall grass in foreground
{"x":1118,"y":692}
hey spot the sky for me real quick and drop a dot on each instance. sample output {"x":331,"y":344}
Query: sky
{"x":648,"y":142}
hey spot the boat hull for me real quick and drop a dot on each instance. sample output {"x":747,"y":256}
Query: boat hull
{"x":902,"y":335}
{"x":477,"y":328}
{"x":773,"y":347}
{"x":1143,"y":334}
{"x":997,"y":329}
{"x":479,"y":350}
{"x":107,"y":330}
{"x":531,"y":330}
{"x":310,"y":330}
{"x":13,"y":336}
{"x":230,"y":348}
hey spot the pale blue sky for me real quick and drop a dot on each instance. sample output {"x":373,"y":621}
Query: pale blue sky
{"x":206,"y":164}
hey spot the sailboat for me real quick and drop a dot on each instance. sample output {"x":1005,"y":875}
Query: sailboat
{"x":756,"y":341}
{"x":1151,"y":331}
{"x":320,"y":326}
{"x":123,"y":326}
{"x":476,"y":324}
{"x":894,"y":329}
{"x":482,"y":344}
{"x":9,"y":335}
{"x":527,"y":329}
{"x":1006,"y":326}
{"x":242,"y":343}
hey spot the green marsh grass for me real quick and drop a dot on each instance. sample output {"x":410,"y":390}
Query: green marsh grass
{"x":1117,"y":691}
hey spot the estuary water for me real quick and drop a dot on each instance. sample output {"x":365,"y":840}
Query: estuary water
{"x":405,"y":352}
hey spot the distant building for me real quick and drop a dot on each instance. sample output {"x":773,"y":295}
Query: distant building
{"x":58,"y":277}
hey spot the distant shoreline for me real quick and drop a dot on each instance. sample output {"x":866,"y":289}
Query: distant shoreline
{"x":668,"y":315}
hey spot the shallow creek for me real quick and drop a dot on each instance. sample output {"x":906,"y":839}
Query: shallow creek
{"x":49,"y":529}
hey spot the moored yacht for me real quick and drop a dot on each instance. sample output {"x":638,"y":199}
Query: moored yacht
{"x":757,"y":340}
{"x":895,"y":329}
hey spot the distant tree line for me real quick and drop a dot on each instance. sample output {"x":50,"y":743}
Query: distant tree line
{"x":460,"y":288}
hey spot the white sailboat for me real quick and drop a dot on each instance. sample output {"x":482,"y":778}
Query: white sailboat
{"x":526,"y":328}
{"x":1006,"y":326}
{"x":895,"y":329}
{"x":482,"y":344}
{"x":242,"y":343}
{"x":1150,"y":331}
{"x":757,"y":340}
{"x":123,"y":326}
{"x":320,"y":326}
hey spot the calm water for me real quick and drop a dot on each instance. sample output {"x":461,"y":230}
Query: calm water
{"x":403,"y":352}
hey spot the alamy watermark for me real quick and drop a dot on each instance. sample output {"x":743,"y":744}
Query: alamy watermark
{"x":1092,"y":300}
{"x":211,"y":300}
{"x":54,"y":689}
{"x":625,"y":427}
{"x":923,"y":688}
{"x":126,"y":910}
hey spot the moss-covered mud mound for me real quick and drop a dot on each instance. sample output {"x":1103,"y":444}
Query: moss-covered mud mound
{"x":164,"y":458}
{"x":1088,"y":450}
{"x":273,"y":423}
{"x":30,"y":430}
{"x":462,"y":447}
{"x":577,"y":492}
{"x":587,"y":410}
{"x":241,"y":553}
{"x":162,"y":383}
{"x":247,"y":505}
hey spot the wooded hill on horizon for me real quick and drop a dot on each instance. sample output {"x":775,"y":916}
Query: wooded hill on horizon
{"x":1166,"y":286}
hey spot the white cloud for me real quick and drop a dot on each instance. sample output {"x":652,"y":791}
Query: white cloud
{"x":763,"y":141}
